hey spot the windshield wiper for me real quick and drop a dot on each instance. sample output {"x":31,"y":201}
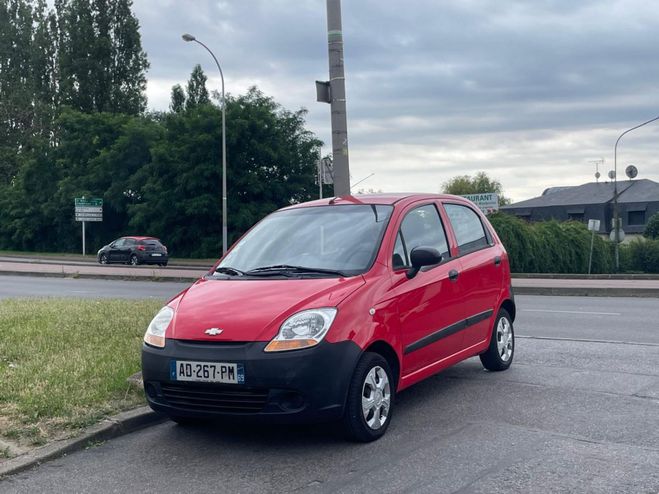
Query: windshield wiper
{"x":230,"y":271}
{"x":277,"y":268}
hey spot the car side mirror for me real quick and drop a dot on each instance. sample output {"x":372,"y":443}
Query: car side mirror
{"x":422,"y":256}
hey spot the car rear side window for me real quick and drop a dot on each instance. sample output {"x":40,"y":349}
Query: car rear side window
{"x":421,"y":227}
{"x":467,"y":226}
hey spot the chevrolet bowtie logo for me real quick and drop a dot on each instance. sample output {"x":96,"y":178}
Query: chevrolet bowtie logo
{"x":213,"y":331}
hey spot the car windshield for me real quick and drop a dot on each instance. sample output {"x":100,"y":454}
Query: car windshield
{"x":343,"y":239}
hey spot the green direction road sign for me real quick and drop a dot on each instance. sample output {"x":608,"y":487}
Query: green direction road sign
{"x":93,"y":201}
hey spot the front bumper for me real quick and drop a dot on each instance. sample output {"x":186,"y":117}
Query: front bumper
{"x":306,"y":385}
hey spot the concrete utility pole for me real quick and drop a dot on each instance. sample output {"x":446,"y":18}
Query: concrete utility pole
{"x":337,"y":91}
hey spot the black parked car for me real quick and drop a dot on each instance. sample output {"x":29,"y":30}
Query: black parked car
{"x":134,"y":250}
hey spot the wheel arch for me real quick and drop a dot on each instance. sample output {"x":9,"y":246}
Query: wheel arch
{"x":389,"y":354}
{"x":509,"y":305}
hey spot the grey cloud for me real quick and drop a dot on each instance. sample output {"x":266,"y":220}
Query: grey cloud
{"x":429,"y":74}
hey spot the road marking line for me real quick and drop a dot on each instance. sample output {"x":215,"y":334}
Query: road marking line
{"x":574,"y":312}
{"x":583,"y":340}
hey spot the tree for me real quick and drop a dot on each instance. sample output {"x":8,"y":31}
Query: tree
{"x":478,"y":184}
{"x":271,"y":162}
{"x":177,"y":104}
{"x":197,"y":92}
{"x":101,"y":64}
{"x":652,"y":228}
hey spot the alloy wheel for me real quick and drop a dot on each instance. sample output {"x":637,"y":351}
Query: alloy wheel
{"x":504,"y":339}
{"x":376,"y":398}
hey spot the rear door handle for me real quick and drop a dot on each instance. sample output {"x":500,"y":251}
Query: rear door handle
{"x":497,"y":260}
{"x":453,"y":275}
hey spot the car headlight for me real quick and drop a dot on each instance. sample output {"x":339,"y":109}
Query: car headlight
{"x":155,"y":333}
{"x":302,"y":330}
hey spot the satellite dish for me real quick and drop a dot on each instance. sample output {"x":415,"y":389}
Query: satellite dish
{"x":612,"y":174}
{"x":631,"y":171}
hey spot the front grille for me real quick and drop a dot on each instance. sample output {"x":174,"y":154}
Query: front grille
{"x":209,"y":398}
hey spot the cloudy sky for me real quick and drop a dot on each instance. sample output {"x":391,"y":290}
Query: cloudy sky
{"x":529,"y":91}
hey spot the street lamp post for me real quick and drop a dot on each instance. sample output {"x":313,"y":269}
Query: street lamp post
{"x":616,"y":213}
{"x":188,"y":38}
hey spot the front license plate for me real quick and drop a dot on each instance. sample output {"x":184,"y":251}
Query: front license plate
{"x":210,"y":372}
{"x":156,"y":255}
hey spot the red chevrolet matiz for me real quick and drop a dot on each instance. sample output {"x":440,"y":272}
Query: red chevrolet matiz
{"x":325,"y":310}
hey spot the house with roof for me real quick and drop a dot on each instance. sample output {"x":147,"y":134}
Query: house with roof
{"x":638,"y":200}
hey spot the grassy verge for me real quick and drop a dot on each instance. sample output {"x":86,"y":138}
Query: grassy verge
{"x":64,"y":363}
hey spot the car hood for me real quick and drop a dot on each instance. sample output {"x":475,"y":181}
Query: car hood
{"x":251,"y":309}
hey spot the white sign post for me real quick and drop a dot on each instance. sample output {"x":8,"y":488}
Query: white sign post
{"x":88,"y":210}
{"x":593,"y":226}
{"x":487,"y":202}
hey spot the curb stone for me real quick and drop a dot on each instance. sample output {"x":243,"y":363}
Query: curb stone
{"x":112,"y":427}
{"x":586,"y":292}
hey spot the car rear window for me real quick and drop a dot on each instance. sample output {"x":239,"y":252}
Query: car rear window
{"x":467,"y":226}
{"x":151,"y":243}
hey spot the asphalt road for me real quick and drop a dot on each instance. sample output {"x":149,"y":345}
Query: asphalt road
{"x":570,"y":415}
{"x":599,"y":318}
{"x":39,"y":286}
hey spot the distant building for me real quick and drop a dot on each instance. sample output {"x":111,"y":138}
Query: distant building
{"x":637,"y":201}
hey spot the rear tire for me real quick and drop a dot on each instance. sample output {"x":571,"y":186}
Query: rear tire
{"x":134,"y":261}
{"x":501,"y":351}
{"x":370,"y":399}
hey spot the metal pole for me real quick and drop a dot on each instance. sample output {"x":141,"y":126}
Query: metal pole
{"x":616,"y":213}
{"x":590,"y":260}
{"x":338,"y":96}
{"x":188,"y":37}
{"x":83,"y":238}
{"x":320,"y":178}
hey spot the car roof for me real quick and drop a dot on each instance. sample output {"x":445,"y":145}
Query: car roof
{"x":380,"y":199}
{"x":141,"y":238}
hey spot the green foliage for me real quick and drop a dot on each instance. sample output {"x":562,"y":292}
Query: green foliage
{"x":197,"y":92}
{"x":97,"y":155}
{"x":640,"y":255}
{"x":177,"y":103}
{"x":550,"y":247}
{"x":478,"y":184}
{"x":270,"y":164}
{"x":652,"y":228}
{"x":160,"y":175}
{"x":101,"y":64}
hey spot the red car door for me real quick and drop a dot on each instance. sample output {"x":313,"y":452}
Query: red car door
{"x":429,"y":303}
{"x":482,"y":273}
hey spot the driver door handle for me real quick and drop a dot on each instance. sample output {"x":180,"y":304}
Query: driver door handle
{"x":453,"y":275}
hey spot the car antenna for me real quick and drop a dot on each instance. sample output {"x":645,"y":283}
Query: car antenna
{"x":334,"y":199}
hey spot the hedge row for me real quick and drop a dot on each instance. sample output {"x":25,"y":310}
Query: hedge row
{"x":640,"y":255}
{"x":551,"y":246}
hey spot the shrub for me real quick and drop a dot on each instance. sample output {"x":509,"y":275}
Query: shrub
{"x":641,"y":255}
{"x":551,"y":246}
{"x":652,"y":228}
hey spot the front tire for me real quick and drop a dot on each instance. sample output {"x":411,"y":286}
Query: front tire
{"x":370,"y":399}
{"x":499,"y":354}
{"x":103,"y":259}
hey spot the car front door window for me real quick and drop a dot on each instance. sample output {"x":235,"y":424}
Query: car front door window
{"x":422,"y":227}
